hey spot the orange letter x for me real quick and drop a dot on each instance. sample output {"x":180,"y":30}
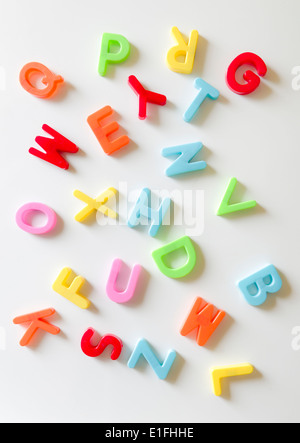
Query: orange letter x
{"x":36,"y":321}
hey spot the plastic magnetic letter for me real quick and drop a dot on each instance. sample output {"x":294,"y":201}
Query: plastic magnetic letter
{"x":50,"y":80}
{"x":203,"y":319}
{"x":142,"y":209}
{"x":184,"y":163}
{"x":95,"y":351}
{"x":183,"y":271}
{"x":143,"y":348}
{"x":228,"y":371}
{"x":103,"y":131}
{"x":71,"y":292}
{"x":37,"y":322}
{"x":113,"y":293}
{"x":182,"y":50}
{"x":206,"y":91}
{"x":226,"y":208}
{"x":253,"y":80}
{"x":97,"y":204}
{"x":107,"y":56}
{"x":22,"y":218}
{"x":257,"y":287}
{"x":53,"y":147}
{"x":145,"y":97}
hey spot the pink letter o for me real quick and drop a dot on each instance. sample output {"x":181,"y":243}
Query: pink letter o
{"x":32,"y":207}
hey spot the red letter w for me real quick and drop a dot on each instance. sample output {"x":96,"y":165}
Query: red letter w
{"x":53,"y":147}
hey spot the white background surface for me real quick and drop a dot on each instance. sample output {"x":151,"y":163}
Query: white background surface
{"x":254,"y":138}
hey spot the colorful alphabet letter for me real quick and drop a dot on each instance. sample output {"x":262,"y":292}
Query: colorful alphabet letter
{"x":143,"y":348}
{"x":184,"y":164}
{"x":95,"y":351}
{"x":97,"y":204}
{"x":107,"y":56}
{"x":203,"y":319}
{"x":228,"y":371}
{"x":253,"y":80}
{"x":71,"y":292}
{"x":103,"y":131}
{"x":50,"y":80}
{"x":257,"y":287}
{"x":182,"y":243}
{"x":206,"y":91}
{"x":143,"y":209}
{"x":227,"y":208}
{"x":182,"y":50}
{"x":30,"y":208}
{"x":113,"y":293}
{"x":145,"y":97}
{"x":37,"y":322}
{"x":53,"y":147}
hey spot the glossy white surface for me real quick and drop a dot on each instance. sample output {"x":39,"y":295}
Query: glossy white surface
{"x":254,"y":138}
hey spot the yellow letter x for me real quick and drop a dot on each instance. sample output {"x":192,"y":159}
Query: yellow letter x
{"x":97,"y":204}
